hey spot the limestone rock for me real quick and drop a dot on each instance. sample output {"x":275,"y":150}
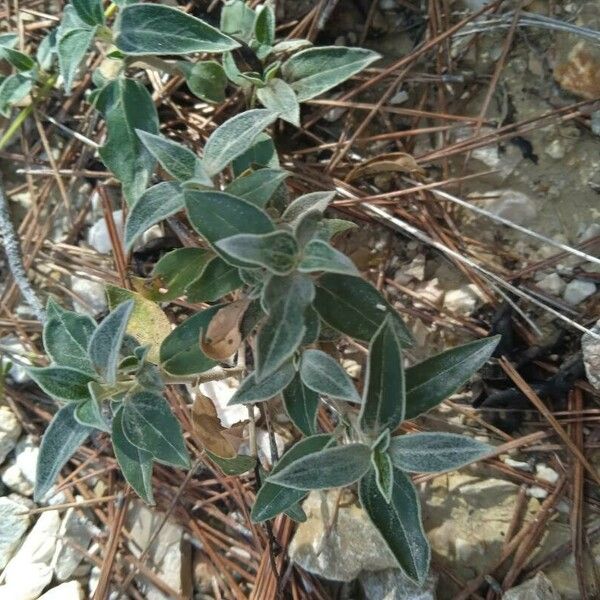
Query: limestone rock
{"x":91,"y":293}
{"x":352,"y":546}
{"x":578,"y":290}
{"x":13,"y":525}
{"x":71,"y":590}
{"x":512,"y":205}
{"x":538,"y":588}
{"x":463,"y":301}
{"x":591,"y":356}
{"x":98,"y":237}
{"x":10,"y":430}
{"x":67,"y":558}
{"x":553,"y":284}
{"x":20,"y":476}
{"x":392,"y":584}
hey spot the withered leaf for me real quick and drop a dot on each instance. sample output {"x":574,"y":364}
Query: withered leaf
{"x":386,"y":163}
{"x":223,"y":335}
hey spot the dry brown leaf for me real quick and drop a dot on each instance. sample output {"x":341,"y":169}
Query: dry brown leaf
{"x":223,"y":335}
{"x":386,"y":163}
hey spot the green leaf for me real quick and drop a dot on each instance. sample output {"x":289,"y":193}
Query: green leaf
{"x":301,"y":404}
{"x":105,"y":343}
{"x":354,"y":307}
{"x":436,"y":378}
{"x":135,"y":463}
{"x":234,"y":137}
{"x":19,"y":60}
{"x":264,"y":26}
{"x":273,"y":499}
{"x":333,"y":467}
{"x":175,"y":159}
{"x":398,"y":522}
{"x":217,"y":279}
{"x":61,"y":439}
{"x":321,"y":256}
{"x":288,"y":46}
{"x":127,"y":106}
{"x":217,"y":215}
{"x":158,"y":29}
{"x":296,"y":512}
{"x":276,"y":251}
{"x":155,"y":204}
{"x":307,"y":203}
{"x":174,"y":271}
{"x":316,"y":70}
{"x":435,"y":452}
{"x":89,"y":11}
{"x":251,"y":391}
{"x":62,"y":383}
{"x":257,"y":187}
{"x":237,"y":19}
{"x":279,"y":97}
{"x":324,"y":375}
{"x":72,"y":48}
{"x":88,"y":413}
{"x":46,"y":51}
{"x":384,"y":395}
{"x":66,"y":338}
{"x":286,"y":300}
{"x":329,"y":228}
{"x":206,"y":80}
{"x":149,"y":424}
{"x":12,"y":90}
{"x":180,"y":352}
{"x":384,"y":473}
{"x":238,"y":465}
{"x":312,"y":323}
{"x":8,"y":40}
{"x":262,"y":153}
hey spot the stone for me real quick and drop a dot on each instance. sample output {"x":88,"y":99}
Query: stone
{"x":414,"y":270}
{"x":537,"y":588}
{"x":71,"y":590}
{"x":12,"y":345}
{"x":220,"y":392}
{"x":463,"y":301}
{"x":353,"y":545}
{"x":555,"y":149}
{"x":553,"y":284}
{"x":431,"y":291}
{"x":169,"y":553}
{"x":10,"y":430}
{"x":579,"y":73}
{"x":13,"y":525}
{"x":545,"y":473}
{"x":392,"y":584}
{"x":263,"y":443}
{"x":20,"y":475}
{"x":66,"y":558}
{"x":591,"y":356}
{"x":98,"y":237}
{"x":512,"y":205}
{"x":578,"y":290}
{"x":90,"y":297}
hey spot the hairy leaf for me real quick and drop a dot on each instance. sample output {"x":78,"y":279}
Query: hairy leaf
{"x":262,"y":153}
{"x":264,"y":25}
{"x":384,"y":473}
{"x":257,"y":187}
{"x":238,"y":465}
{"x":251,"y":391}
{"x":316,"y":70}
{"x":135,"y":463}
{"x":60,"y":441}
{"x":436,"y":378}
{"x":308,"y":202}
{"x":324,"y":375}
{"x":321,"y":256}
{"x":155,"y":204}
{"x":89,"y":11}
{"x":333,"y":467}
{"x":398,"y":522}
{"x":12,"y":90}
{"x":159,"y":29}
{"x":237,"y":19}
{"x":435,"y":452}
{"x":175,"y":159}
{"x":273,"y":499}
{"x":89,"y":412}
{"x":206,"y":80}
{"x":19,"y":60}
{"x":301,"y":404}
{"x":62,"y":383}
{"x":149,"y":424}
{"x":279,"y":97}
{"x":217,"y":279}
{"x":234,"y":137}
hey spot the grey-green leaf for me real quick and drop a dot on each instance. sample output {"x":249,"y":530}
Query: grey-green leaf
{"x":61,"y":439}
{"x":436,"y":378}
{"x":307,"y":203}
{"x":279,"y":97}
{"x":12,"y":90}
{"x":217,"y":279}
{"x":233,"y":466}
{"x":384,"y":396}
{"x":62,"y":383}
{"x":273,"y":499}
{"x":206,"y":80}
{"x":72,"y":48}
{"x":234,"y":137}
{"x":354,"y":307}
{"x":321,"y":256}
{"x":18,"y":59}
{"x":316,"y":70}
{"x":155,"y":204}
{"x":251,"y":391}
{"x":149,"y":424}
{"x":159,"y":29}
{"x":384,"y":473}
{"x":333,"y":467}
{"x":435,"y":452}
{"x":321,"y":373}
{"x":88,"y":413}
{"x":258,"y":187}
{"x":135,"y":463}
{"x":177,"y":160}
{"x":398,"y":522}
{"x":301,"y":404}
{"x":89,"y":11}
{"x":105,"y":343}
{"x":264,"y":26}
{"x":237,"y":19}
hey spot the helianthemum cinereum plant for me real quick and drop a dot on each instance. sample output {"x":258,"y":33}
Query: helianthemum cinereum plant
{"x":265,"y":270}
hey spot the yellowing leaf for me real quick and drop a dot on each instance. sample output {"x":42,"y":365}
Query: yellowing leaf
{"x":223,"y":336}
{"x":386,"y":163}
{"x":148,"y":324}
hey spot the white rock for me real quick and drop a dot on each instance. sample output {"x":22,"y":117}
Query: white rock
{"x":20,"y":476}
{"x":555,"y":149}
{"x":220,"y":392}
{"x":553,"y":284}
{"x":545,"y":473}
{"x":578,"y":290}
{"x":98,"y":237}
{"x":516,"y":464}
{"x":537,"y":588}
{"x":67,"y":558}
{"x":12,"y":345}
{"x":392,"y":584}
{"x":71,"y":590}
{"x":592,"y":231}
{"x":263,"y":443}
{"x":463,"y":301}
{"x":13,"y":478}
{"x":10,"y":430}
{"x":591,"y":356}
{"x":400,"y":97}
{"x":91,"y":293}
{"x":536,"y":491}
{"x":13,"y":525}
{"x":512,"y":205}
{"x":430,"y":291}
